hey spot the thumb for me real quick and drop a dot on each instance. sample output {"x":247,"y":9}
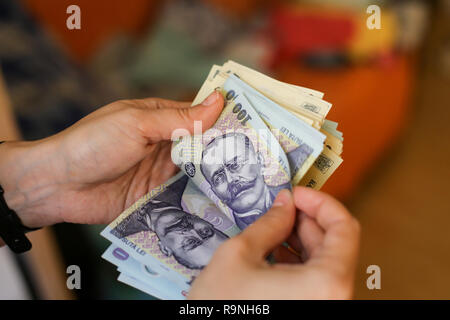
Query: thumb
{"x":269,"y":231}
{"x":163,"y":123}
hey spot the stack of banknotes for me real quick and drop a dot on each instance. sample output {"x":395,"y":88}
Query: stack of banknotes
{"x":270,"y":135}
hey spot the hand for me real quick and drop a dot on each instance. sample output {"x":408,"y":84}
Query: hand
{"x":92,"y":171}
{"x":325,"y":231}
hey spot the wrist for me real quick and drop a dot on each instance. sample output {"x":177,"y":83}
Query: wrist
{"x":26,"y":178}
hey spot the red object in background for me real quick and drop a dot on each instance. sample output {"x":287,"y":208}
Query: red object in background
{"x":371,"y":104}
{"x":298,"y":31}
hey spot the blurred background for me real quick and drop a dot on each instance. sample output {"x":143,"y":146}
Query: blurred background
{"x":389,"y":88}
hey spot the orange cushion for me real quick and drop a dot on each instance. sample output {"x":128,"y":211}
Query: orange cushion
{"x":371,"y":105}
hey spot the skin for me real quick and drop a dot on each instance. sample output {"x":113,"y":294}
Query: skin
{"x":234,"y":173}
{"x":325,"y":232}
{"x":92,"y":171}
{"x":187,"y":236}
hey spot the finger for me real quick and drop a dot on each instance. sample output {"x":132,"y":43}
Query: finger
{"x":339,"y":247}
{"x":306,"y":237}
{"x":309,"y":233}
{"x":162,"y":167}
{"x":319,"y":206}
{"x":165,"y":123}
{"x":271,"y":229}
{"x":158,"y":103}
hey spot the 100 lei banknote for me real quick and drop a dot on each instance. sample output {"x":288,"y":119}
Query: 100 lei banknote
{"x":304,"y":103}
{"x":174,"y":230}
{"x":324,"y":165}
{"x":238,"y":163}
{"x":154,"y":283}
{"x":301,"y":142}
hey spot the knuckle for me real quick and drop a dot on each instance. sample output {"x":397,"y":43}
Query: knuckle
{"x":185,"y":116}
{"x":140,"y":118}
{"x":157,"y":103}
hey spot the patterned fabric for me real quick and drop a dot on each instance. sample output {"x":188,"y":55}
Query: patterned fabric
{"x":47,"y":92}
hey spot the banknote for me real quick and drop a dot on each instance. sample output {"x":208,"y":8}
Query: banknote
{"x":174,"y":230}
{"x":316,"y":177}
{"x":306,"y":101}
{"x":331,"y":127}
{"x":301,"y":143}
{"x":270,"y":135}
{"x":332,"y":142}
{"x":248,"y":74}
{"x":238,"y":163}
{"x":322,"y":169}
{"x":163,"y":287}
{"x":308,"y":107}
{"x":213,"y":79}
{"x":152,"y":290}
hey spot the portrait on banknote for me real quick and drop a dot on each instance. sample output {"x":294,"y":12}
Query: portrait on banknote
{"x":238,"y":163}
{"x":234,"y":171}
{"x":171,"y":228}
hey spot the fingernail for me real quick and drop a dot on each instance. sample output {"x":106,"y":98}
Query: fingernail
{"x":283,"y":197}
{"x":212,"y":98}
